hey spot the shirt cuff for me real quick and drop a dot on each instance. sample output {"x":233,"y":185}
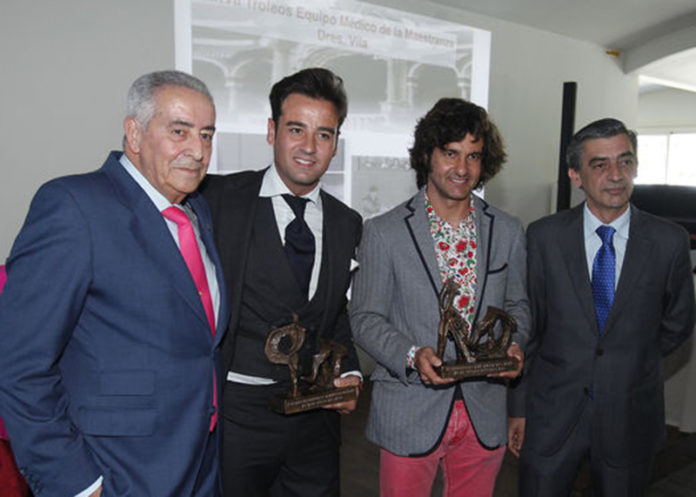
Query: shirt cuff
{"x":411,"y":357}
{"x":92,"y":488}
{"x":355,"y":373}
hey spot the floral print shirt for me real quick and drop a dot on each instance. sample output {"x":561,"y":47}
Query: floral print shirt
{"x":455,"y":247}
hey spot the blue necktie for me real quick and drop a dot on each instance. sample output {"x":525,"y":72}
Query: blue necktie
{"x":299,"y":243}
{"x":603,"y":276}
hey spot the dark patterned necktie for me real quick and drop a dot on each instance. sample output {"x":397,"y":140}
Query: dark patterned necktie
{"x":603,"y":275}
{"x":299,"y":243}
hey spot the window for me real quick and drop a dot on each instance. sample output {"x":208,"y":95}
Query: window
{"x":667,"y":159}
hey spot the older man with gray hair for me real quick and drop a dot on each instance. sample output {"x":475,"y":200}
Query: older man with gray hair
{"x":113,"y":311}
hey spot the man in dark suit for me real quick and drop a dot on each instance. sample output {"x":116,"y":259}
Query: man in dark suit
{"x":611,"y":292}
{"x":260,"y":238}
{"x":109,"y":340}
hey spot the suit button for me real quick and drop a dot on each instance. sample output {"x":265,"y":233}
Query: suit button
{"x":600,"y":351}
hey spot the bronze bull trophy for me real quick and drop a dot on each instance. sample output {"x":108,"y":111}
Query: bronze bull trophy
{"x":317,"y":389}
{"x":481,"y":351}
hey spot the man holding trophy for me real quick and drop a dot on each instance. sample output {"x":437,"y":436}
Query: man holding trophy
{"x":432,"y":267}
{"x":286,"y":248}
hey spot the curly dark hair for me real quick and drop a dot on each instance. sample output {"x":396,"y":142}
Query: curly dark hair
{"x":314,"y":82}
{"x":450,"y":120}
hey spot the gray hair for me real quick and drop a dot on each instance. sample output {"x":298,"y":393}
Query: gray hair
{"x":604,"y":128}
{"x":140,"y":102}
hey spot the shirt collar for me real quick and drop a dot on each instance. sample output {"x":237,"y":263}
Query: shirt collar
{"x":467,"y":222}
{"x":620,"y":224}
{"x":157,"y":198}
{"x":273,"y":186}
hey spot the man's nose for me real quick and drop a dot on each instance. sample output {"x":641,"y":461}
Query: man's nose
{"x":196,"y":147}
{"x":309,"y":143}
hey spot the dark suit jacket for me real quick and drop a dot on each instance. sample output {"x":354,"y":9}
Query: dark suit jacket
{"x":233,"y":200}
{"x":568,"y":360}
{"x":108,"y":359}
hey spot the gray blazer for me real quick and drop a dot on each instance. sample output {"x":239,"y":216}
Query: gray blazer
{"x":395,"y":306}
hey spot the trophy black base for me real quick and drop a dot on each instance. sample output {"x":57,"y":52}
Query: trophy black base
{"x":481,"y":367}
{"x":309,"y":401}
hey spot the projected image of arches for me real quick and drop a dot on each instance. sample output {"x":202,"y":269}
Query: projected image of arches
{"x":395,"y":66}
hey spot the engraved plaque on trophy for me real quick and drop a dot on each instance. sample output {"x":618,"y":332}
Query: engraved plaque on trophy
{"x":483,"y":350}
{"x":315,"y":390}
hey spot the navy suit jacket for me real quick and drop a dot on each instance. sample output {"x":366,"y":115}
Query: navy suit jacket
{"x":107,"y":356}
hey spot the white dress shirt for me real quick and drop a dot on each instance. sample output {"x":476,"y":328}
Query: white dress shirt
{"x":272,"y":187}
{"x":593,"y":243}
{"x":162,"y":203}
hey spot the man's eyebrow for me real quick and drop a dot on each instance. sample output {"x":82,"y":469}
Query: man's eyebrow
{"x":598,"y":158}
{"x":623,"y":155}
{"x":327,"y":129}
{"x":181,"y":122}
{"x":298,"y":124}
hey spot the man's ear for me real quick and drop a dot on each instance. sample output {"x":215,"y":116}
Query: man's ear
{"x":270,"y":131}
{"x":575,"y":177}
{"x":133,"y":133}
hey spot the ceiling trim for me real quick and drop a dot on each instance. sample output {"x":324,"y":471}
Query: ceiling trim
{"x":659,"y":48}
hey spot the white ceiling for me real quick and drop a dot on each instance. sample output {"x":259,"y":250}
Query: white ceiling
{"x":657,"y":38}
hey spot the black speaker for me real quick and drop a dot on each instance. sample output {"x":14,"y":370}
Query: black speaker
{"x":672,"y":202}
{"x":570,"y":89}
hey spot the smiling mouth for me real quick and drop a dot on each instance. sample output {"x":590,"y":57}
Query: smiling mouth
{"x":190,"y":169}
{"x":304,"y":162}
{"x":459,"y":181}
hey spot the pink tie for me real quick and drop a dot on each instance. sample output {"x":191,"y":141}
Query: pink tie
{"x":188,"y":245}
{"x":189,"y":250}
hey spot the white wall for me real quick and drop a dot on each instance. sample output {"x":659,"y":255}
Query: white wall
{"x":667,"y":110}
{"x":65,"y":69}
{"x":67,"y":65}
{"x":526,"y":101}
{"x":528,"y":69}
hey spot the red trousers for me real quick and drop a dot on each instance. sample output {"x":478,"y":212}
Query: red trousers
{"x":468,"y":469}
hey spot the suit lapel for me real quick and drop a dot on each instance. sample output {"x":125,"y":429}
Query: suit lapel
{"x":484,"y":233}
{"x":418,"y":228}
{"x":636,"y":259}
{"x":332,"y":244}
{"x":572,"y":246}
{"x":150,"y":231}
{"x":268,"y":239}
{"x":235,"y":221}
{"x":205,"y":226}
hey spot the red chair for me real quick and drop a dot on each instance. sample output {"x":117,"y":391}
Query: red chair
{"x":11,"y":482}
